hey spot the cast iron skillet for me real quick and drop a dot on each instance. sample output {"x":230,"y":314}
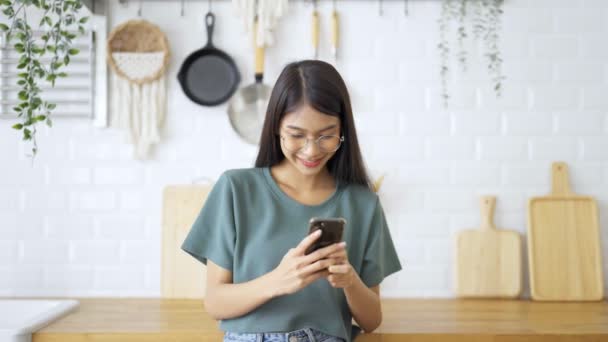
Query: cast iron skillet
{"x":209,"y":76}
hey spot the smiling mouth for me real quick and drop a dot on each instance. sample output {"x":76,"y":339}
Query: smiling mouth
{"x":311,"y":164}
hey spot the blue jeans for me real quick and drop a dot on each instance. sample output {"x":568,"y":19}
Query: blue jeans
{"x":302,"y":335}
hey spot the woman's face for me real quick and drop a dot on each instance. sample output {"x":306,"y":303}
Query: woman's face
{"x":308,"y":123}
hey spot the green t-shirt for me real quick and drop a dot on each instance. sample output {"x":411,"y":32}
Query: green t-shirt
{"x":248,"y":224}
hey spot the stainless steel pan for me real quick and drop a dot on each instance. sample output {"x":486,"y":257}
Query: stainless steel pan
{"x":247,"y":108}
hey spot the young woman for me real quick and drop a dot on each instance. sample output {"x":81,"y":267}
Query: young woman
{"x":252,"y":232}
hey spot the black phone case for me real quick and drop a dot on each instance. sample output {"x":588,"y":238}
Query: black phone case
{"x":332,"y":228}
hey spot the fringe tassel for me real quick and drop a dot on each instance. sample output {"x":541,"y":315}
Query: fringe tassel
{"x":140,"y":110}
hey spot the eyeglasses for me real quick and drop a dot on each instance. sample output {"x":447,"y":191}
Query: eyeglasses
{"x":298,"y":142}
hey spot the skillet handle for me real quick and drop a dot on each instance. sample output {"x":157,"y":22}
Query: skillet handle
{"x":210,"y":23}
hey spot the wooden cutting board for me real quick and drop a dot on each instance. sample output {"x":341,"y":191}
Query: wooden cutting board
{"x":182,"y":276}
{"x":563,"y":244}
{"x":488,"y":260}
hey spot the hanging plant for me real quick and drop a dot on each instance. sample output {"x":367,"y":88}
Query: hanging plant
{"x":485,"y":18}
{"x":58,"y":23}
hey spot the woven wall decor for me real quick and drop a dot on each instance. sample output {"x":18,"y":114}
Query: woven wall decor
{"x":138,"y":54}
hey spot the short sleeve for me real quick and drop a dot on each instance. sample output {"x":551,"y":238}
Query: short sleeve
{"x":380,"y":258}
{"x":213,"y":235}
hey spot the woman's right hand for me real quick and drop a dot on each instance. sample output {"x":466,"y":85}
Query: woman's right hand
{"x":297,"y":270}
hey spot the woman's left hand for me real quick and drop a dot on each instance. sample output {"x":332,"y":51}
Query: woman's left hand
{"x":341,"y":274}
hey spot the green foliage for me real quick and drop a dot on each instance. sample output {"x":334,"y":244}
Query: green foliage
{"x":59,"y":20}
{"x":485,"y":18}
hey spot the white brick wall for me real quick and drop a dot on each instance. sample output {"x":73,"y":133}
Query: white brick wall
{"x":85,"y":219}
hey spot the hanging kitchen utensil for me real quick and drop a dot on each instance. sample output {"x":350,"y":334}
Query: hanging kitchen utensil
{"x":335,"y":33}
{"x":315,"y":30}
{"x":488,"y":259}
{"x":564,"y":244}
{"x":247,"y":108}
{"x":138,"y":54}
{"x":209,"y":76}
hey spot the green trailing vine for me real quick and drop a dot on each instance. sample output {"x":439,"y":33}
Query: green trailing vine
{"x":485,"y":16}
{"x":462,"y":34}
{"x":59,"y":21}
{"x":494,"y":8}
{"x":444,"y":48}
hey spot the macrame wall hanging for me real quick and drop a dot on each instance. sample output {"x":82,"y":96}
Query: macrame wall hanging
{"x":138,"y":54}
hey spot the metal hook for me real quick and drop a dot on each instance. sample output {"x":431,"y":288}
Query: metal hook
{"x":380,"y":10}
{"x":334,"y":4}
{"x":139,"y":9}
{"x":182,"y":10}
{"x":209,"y":5}
{"x":406,"y":10}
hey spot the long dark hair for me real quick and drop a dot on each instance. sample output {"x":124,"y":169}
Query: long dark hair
{"x":319,"y":85}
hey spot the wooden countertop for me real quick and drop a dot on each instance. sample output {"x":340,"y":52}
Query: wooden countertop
{"x":103,"y":319}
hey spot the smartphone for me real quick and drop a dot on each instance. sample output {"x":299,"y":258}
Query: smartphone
{"x":332,"y":227}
